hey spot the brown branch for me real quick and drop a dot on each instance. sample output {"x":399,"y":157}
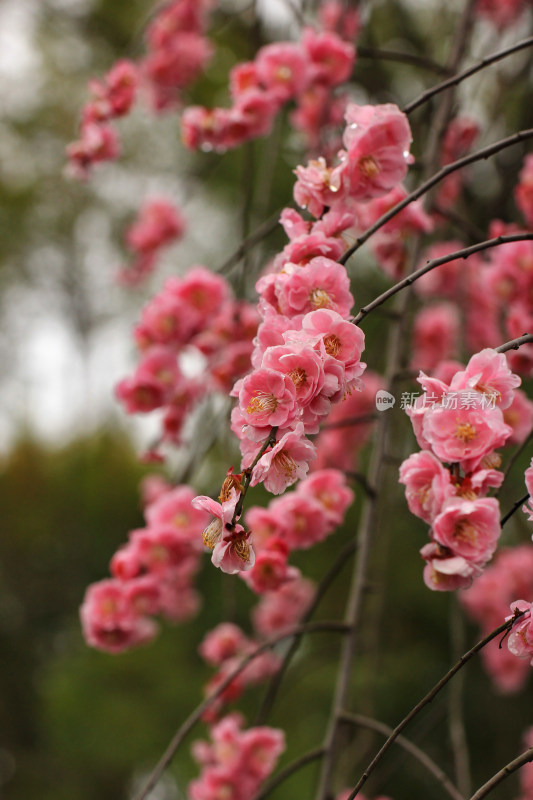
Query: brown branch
{"x":402,"y":58}
{"x":362,"y":419}
{"x":461,"y":76}
{"x":437,"y":262}
{"x":250,"y":242}
{"x":410,"y":747}
{"x":514,"y":509}
{"x":277,"y":678}
{"x":504,"y":773}
{"x":282,"y":776}
{"x":479,"y":155}
{"x":515,"y":344}
{"x":269,"y":442}
{"x":505,"y":626}
{"x":190,"y":722}
{"x":515,"y":456}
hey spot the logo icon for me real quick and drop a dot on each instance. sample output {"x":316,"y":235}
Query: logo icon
{"x":384,"y":400}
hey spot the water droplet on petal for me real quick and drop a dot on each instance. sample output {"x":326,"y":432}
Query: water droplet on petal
{"x":405,"y":153}
{"x":353,"y":126}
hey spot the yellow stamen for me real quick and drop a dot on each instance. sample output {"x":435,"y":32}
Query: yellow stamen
{"x":241,"y":549}
{"x":285,"y":463}
{"x":332,"y":344}
{"x":320,"y":298}
{"x":465,"y":432}
{"x":262,"y":403}
{"x":298,"y":377}
{"x":213,"y":532}
{"x":368,"y":167}
{"x":465,"y":532}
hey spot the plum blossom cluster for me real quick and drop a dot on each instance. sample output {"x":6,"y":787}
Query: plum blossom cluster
{"x":111,"y":98}
{"x":152,"y":575}
{"x":194,"y":314}
{"x":224,"y":648}
{"x":448,"y":481}
{"x":298,"y":520}
{"x":487,"y":601}
{"x":305,"y":71}
{"x":373,"y":161}
{"x":236,"y":761}
{"x":504,"y":310}
{"x":177,"y":50}
{"x":177,"y":53}
{"x":158,"y":224}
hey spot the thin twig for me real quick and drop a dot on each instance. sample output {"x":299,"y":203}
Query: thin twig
{"x":514,"y":509}
{"x":456,"y":723}
{"x":257,"y":236}
{"x":362,"y":481}
{"x":289,"y":770}
{"x":479,"y":155}
{"x":362,"y":419}
{"x":515,"y":344}
{"x":410,"y":747}
{"x":269,"y":442}
{"x":190,"y":722}
{"x":465,"y":225}
{"x":277,"y":678}
{"x":504,"y":773}
{"x":402,"y":58}
{"x":465,"y":253}
{"x":461,"y":76}
{"x":505,"y":626}
{"x":512,"y":461}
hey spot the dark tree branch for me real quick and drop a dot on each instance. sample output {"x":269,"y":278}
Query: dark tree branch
{"x":515,"y":344}
{"x":402,"y":58}
{"x":514,"y":509}
{"x":479,"y":155}
{"x":282,"y":776}
{"x":504,"y":773}
{"x":505,"y":626}
{"x":190,"y":722}
{"x":410,"y":747}
{"x":437,"y":262}
{"x":461,"y":76}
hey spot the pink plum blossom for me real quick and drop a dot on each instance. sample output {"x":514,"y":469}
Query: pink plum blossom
{"x":377,"y":141}
{"x":464,"y":434}
{"x":267,"y":398}
{"x":321,"y":284}
{"x":234,"y":551}
{"x":331,"y":59}
{"x":488,"y":373}
{"x":427,"y":484}
{"x":222,"y":516}
{"x":283,"y":69}
{"x":110,"y":621}
{"x":285,"y":463}
{"x":469,"y":528}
